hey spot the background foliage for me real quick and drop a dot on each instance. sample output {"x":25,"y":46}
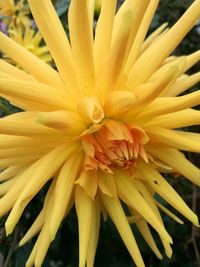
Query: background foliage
{"x":111,"y":251}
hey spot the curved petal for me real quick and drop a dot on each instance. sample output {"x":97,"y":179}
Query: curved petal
{"x":56,"y":39}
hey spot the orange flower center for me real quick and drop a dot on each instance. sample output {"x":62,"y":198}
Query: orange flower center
{"x":115,"y":145}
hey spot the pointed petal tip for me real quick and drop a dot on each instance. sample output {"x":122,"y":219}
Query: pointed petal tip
{"x":21,"y":243}
{"x":159,"y":256}
{"x":169,"y":254}
{"x":8,"y":228}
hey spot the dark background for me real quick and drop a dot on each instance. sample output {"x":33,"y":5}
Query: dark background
{"x":111,"y":251}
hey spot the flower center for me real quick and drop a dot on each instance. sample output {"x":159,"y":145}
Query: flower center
{"x":115,"y":145}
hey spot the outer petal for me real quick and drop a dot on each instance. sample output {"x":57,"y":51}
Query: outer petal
{"x":94,"y":233}
{"x":116,"y":213}
{"x":82,"y":44}
{"x":178,"y":162}
{"x":103,"y":33}
{"x":34,"y":92}
{"x":183,"y":118}
{"x":84,"y":207}
{"x":42,"y":173}
{"x":161,"y":186}
{"x":56,"y":39}
{"x":140,"y":71}
{"x":30,"y":62}
{"x":173,"y":139}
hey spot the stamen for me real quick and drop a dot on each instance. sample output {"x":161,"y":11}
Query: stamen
{"x":114,"y":147}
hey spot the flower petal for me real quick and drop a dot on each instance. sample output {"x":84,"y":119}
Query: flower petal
{"x":103,"y":34}
{"x":183,"y":118}
{"x":164,"y":189}
{"x":14,"y":72}
{"x":29,"y":61}
{"x":126,"y":189}
{"x":44,"y":12}
{"x":140,"y":71}
{"x":82,"y":43}
{"x":164,"y":105}
{"x":41,"y":174}
{"x":62,"y":192}
{"x":145,"y":231}
{"x":94,"y":233}
{"x":34,"y":91}
{"x":178,"y":162}
{"x":84,"y":207}
{"x":173,"y":138}
{"x":182,"y":84}
{"x":141,"y":33}
{"x":117,"y":214}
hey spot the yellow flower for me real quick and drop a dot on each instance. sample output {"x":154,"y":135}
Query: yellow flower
{"x":102,"y":127}
{"x":31,"y":40}
{"x":15,"y":13}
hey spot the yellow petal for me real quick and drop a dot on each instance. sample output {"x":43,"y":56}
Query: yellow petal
{"x":103,"y":34}
{"x":94,"y":233}
{"x":106,"y":79}
{"x":34,"y":91}
{"x":176,"y":66}
{"x":63,"y":190}
{"x":42,"y":244}
{"x":12,"y":141}
{"x":181,"y":85}
{"x":148,"y":92}
{"x":107,"y":184}
{"x":118,"y":216}
{"x":5,"y":187}
{"x":183,"y":118}
{"x":145,"y":231}
{"x":153,"y":36}
{"x":192,"y":60}
{"x":118,"y":103}
{"x":17,"y":127}
{"x":178,"y":162}
{"x":63,"y":120}
{"x":27,"y":105}
{"x":151,"y":201}
{"x":173,"y":138}
{"x":90,"y":109}
{"x":11,"y":172}
{"x":14,"y":72}
{"x":82,"y":43}
{"x":126,"y":7}
{"x":169,"y":213}
{"x":140,"y":71}
{"x":164,"y":189}
{"x":41,"y":174}
{"x":88,"y":180}
{"x":27,"y":159}
{"x":126,"y":189}
{"x":84,"y":209}
{"x":34,"y":229}
{"x":29,"y":61}
{"x":20,"y":152}
{"x":141,"y":33}
{"x":165,"y":105}
{"x":44,"y":12}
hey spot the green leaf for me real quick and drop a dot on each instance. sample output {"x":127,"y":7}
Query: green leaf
{"x":61,"y":6}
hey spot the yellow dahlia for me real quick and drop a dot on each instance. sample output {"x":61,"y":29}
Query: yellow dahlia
{"x":31,"y":40}
{"x":15,"y":13}
{"x":102,"y":128}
